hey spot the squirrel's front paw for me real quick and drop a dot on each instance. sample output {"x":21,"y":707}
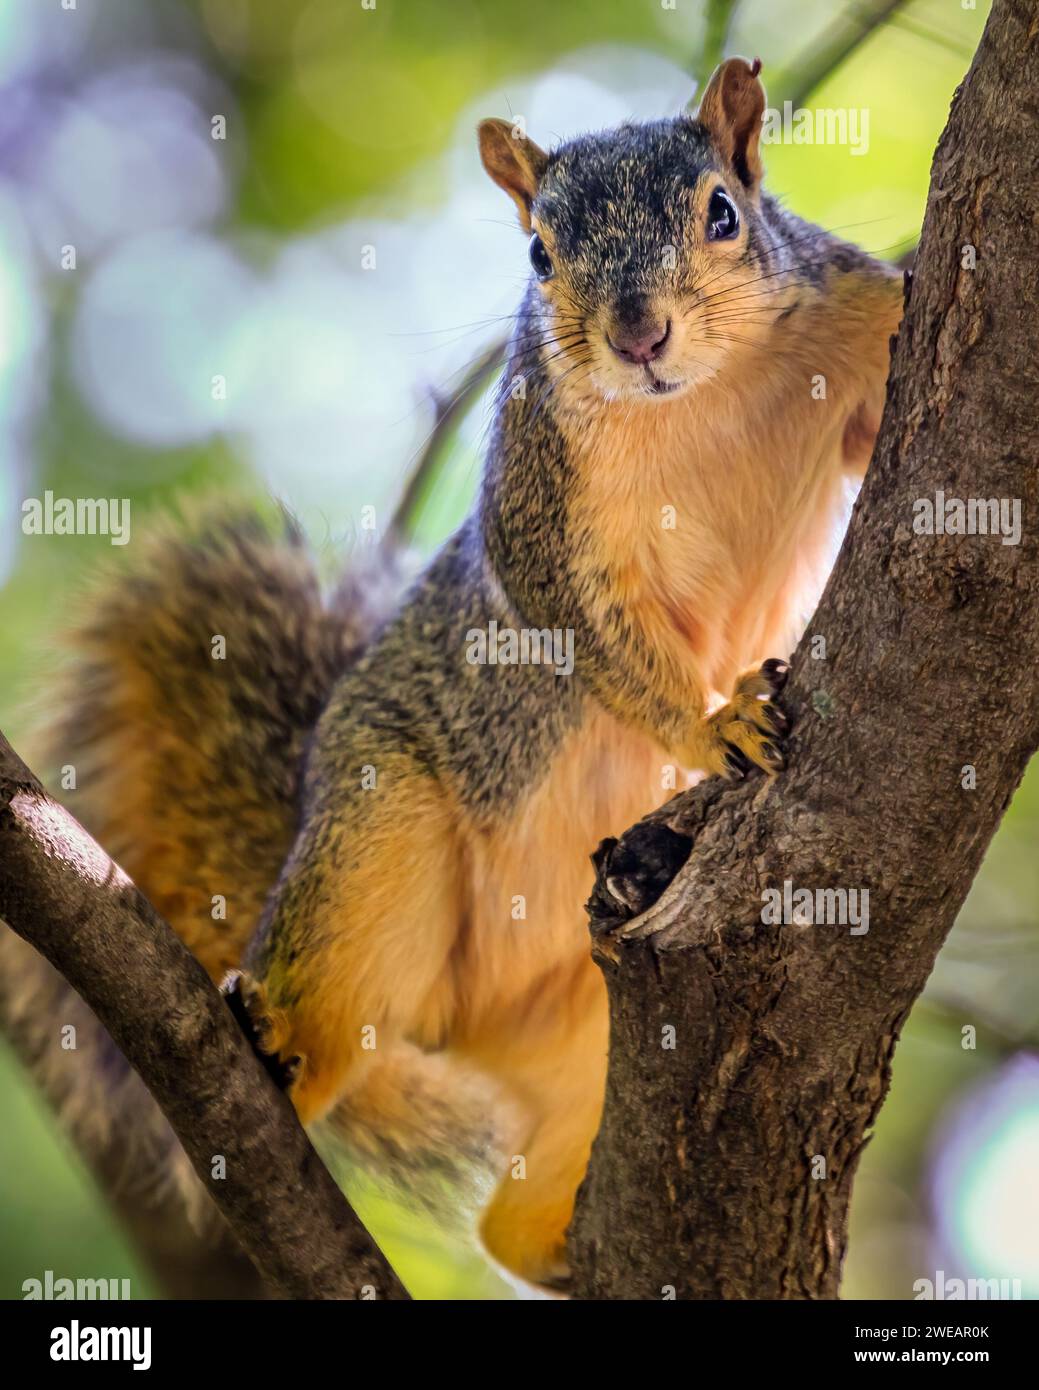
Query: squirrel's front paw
{"x":751,"y":728}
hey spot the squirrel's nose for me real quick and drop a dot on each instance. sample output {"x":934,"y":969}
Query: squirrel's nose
{"x":643,"y":346}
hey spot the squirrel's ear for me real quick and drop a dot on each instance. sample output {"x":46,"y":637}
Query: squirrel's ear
{"x":513,"y":162}
{"x":732,"y":110}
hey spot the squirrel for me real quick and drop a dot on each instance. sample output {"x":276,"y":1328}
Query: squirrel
{"x":403,"y":830}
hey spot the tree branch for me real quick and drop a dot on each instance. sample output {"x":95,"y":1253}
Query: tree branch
{"x":719,"y":18}
{"x":848,"y":32}
{"x":707,"y":1174}
{"x":190,"y":1252}
{"x":60,"y":892}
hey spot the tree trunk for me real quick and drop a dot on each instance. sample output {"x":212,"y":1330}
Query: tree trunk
{"x":724,"y":1164}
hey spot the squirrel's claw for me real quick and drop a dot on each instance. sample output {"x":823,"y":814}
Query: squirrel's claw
{"x":775,"y":672}
{"x":751,"y":729}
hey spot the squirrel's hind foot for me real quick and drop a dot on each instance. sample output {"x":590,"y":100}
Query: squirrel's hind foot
{"x":247,"y":1000}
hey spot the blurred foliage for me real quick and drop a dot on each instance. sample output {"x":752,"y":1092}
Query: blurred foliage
{"x":349,"y":121}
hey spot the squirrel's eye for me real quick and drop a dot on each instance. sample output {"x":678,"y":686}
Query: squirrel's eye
{"x":540,"y":259}
{"x":723,"y":221}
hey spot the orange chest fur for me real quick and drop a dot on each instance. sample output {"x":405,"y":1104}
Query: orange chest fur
{"x":528,"y":881}
{"x":716,"y":527}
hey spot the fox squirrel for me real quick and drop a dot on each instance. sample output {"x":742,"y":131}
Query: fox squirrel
{"x":694,"y":373}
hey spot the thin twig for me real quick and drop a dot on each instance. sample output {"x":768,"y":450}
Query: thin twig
{"x":836,"y":45}
{"x":718,"y":22}
{"x":448,"y":411}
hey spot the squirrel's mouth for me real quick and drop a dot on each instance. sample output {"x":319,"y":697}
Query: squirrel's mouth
{"x":658,"y":387}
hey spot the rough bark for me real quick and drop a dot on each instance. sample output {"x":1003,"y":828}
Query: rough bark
{"x":60,"y":892}
{"x":701,"y":1179}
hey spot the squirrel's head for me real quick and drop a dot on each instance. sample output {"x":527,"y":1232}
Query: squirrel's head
{"x":652,"y":253}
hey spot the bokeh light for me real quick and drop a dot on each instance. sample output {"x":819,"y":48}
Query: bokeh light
{"x":151,"y":334}
{"x":132,"y":152}
{"x":986,"y":1180}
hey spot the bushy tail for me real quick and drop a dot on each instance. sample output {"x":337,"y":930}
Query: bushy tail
{"x":174,"y":730}
{"x":182,"y":715}
{"x":177,"y":734}
{"x":425,"y":1131}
